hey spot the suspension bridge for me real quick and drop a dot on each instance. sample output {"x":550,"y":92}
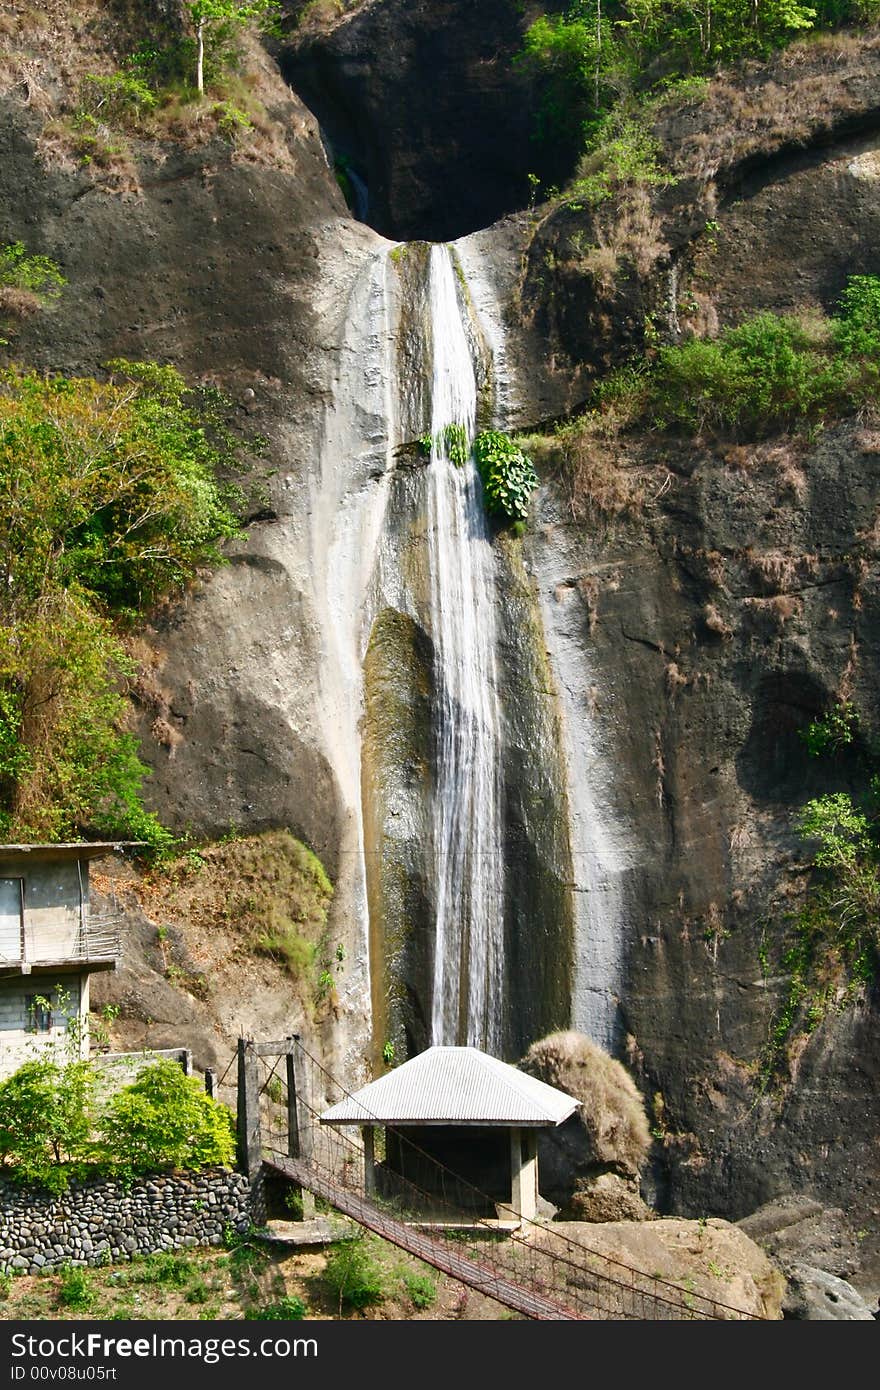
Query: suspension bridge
{"x":526,"y":1265}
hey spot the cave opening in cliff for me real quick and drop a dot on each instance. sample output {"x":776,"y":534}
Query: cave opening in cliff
{"x":428,"y":119}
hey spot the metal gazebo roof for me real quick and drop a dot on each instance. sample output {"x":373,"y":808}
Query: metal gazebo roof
{"x":454,"y":1086}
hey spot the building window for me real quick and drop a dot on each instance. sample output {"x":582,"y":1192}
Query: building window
{"x":39,"y":1012}
{"x":11,"y":919}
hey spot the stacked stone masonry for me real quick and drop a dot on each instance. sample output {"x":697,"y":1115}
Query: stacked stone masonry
{"x":94,"y":1222}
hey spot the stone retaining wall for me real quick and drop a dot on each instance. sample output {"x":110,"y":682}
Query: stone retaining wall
{"x":94,"y":1222}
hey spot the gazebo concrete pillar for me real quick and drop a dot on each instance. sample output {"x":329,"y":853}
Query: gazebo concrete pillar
{"x":369,"y":1161}
{"x":524,"y":1173}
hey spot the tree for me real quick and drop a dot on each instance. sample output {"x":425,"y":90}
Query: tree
{"x":226,"y":14}
{"x":46,"y":1121}
{"x":164,"y":1119}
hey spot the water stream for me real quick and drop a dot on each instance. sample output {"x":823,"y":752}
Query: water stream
{"x":468,"y":995}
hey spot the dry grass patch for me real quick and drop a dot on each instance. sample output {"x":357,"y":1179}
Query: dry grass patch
{"x":755,"y":108}
{"x":17,"y":303}
{"x":266,"y":895}
{"x":612,"y":1111}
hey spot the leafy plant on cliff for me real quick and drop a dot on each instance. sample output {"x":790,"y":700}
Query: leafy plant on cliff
{"x":27,"y":282}
{"x":215,"y":22}
{"x":508,"y":475}
{"x":22,"y":270}
{"x":585,"y":58}
{"x":452,"y":441}
{"x":109,"y":501}
{"x":774,"y":372}
{"x":117,"y":96}
{"x":833,"y":951}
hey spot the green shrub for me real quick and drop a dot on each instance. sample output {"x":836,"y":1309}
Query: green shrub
{"x":46,"y":1119}
{"x":118,"y":97}
{"x":163,"y":1267}
{"x":507,"y":474}
{"x":421,"y":1288}
{"x":857,"y":330}
{"x":767,"y":374}
{"x":164,"y":1119}
{"x":622,"y":151}
{"x":38,"y":275}
{"x":831,"y":945}
{"x":773,"y":372}
{"x":289,"y":1309}
{"x":353,"y":1276}
{"x":231,"y":120}
{"x":835,"y":729}
{"x":76,"y":1291}
{"x":452,"y":441}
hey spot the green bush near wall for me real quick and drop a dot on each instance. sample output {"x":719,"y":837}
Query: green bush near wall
{"x":55,"y":1125}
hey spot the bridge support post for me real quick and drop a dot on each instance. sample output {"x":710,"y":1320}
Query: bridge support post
{"x":369,"y":1161}
{"x":250,"y":1143}
{"x":294,"y":1141}
{"x":524,"y":1173}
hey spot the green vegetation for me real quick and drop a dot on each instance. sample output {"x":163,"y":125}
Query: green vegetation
{"x":55,"y":1124}
{"x":602,"y":70}
{"x":185,"y":81}
{"x":421,"y":1288}
{"x":353,"y":1276}
{"x":36,"y":275}
{"x":452,"y":441}
{"x":109,"y":501}
{"x":622,"y":152}
{"x":47,"y":1122}
{"x":835,"y":730}
{"x":210,"y":1282}
{"x":116,"y":97}
{"x":833,"y":950}
{"x":774,"y":372}
{"x":594,"y":56}
{"x":27,"y":283}
{"x":271,"y":891}
{"x":76,"y":1290}
{"x":507,"y":474}
{"x":165,"y":1119}
{"x":289,"y":1309}
{"x":216,"y":22}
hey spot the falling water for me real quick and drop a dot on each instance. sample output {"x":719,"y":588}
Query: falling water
{"x":468,"y":995}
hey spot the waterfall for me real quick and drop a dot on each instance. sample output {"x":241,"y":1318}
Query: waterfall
{"x":468,"y":994}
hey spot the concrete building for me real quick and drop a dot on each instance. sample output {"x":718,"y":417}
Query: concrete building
{"x":50,"y":944}
{"x":460,"y":1128}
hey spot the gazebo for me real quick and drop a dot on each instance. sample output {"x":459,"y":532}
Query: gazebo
{"x":458,"y":1124}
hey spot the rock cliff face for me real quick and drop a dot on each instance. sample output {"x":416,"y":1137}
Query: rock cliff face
{"x":689,"y":639}
{"x":426,"y":104}
{"x":241,"y":275}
